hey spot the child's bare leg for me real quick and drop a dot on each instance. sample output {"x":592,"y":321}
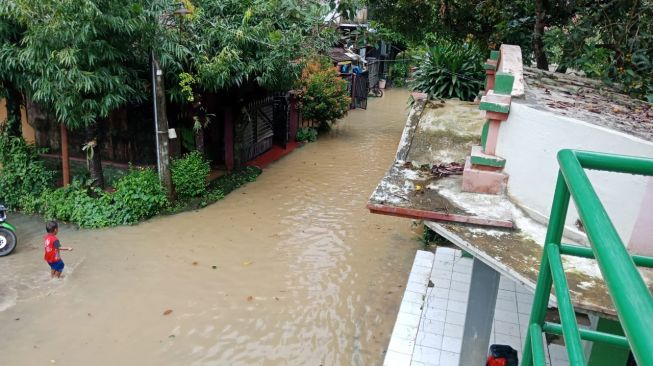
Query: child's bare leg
{"x":57,"y":274}
{"x":52,"y":272}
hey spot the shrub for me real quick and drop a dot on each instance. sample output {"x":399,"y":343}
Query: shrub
{"x":139,"y":195}
{"x":23,"y":175}
{"x":189,"y":174}
{"x":80,"y":204}
{"x":450,"y":70}
{"x":323,"y":94}
{"x":306,"y":134}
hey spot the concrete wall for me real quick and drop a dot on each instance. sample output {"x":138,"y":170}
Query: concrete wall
{"x":28,"y":131}
{"x":529,"y":141}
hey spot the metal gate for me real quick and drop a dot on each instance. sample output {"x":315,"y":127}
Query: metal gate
{"x":281,"y":114}
{"x":360,"y":89}
{"x":373,"y":71}
{"x":258,"y":132}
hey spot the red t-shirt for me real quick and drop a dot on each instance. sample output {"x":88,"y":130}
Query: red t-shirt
{"x":51,"y":248}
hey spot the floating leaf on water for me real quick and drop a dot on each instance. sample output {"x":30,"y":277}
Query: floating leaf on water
{"x":195,"y":263}
{"x":250,"y":298}
{"x":167,"y":312}
{"x":247,"y":263}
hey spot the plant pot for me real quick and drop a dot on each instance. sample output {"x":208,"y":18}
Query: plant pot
{"x":381,"y":83}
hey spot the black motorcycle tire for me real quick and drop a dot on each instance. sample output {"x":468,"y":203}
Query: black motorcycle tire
{"x":8,"y":241}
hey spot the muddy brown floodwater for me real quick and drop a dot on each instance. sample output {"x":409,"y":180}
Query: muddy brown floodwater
{"x":288,"y":270}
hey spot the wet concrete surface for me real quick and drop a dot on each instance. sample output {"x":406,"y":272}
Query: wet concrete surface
{"x":288,"y":270}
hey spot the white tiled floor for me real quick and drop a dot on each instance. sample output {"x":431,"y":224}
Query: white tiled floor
{"x":430,"y":323}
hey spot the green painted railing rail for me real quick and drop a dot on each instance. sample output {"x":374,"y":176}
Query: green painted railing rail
{"x":631,"y":297}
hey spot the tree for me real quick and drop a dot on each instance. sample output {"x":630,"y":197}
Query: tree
{"x":245,"y":44}
{"x":234,"y":42}
{"x":82,"y":59}
{"x":9,"y":90}
{"x":489,"y":23}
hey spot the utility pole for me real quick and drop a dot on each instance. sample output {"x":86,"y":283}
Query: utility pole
{"x":161,"y":127}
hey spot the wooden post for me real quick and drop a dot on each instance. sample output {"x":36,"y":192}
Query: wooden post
{"x":161,"y":127}
{"x":228,"y":139}
{"x":65,"y":157}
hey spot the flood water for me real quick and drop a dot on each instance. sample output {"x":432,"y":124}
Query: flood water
{"x":289,"y":270}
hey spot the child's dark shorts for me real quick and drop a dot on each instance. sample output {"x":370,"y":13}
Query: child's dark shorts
{"x":57,"y":266}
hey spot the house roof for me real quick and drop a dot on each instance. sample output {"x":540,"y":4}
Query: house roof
{"x":340,"y":55}
{"x":588,"y":100}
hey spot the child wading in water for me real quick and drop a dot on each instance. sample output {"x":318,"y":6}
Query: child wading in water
{"x":52,"y":248}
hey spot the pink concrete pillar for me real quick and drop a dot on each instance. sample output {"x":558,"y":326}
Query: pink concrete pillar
{"x":228,"y":139}
{"x":492,"y":137}
{"x":641,"y":240}
{"x":489,"y":79}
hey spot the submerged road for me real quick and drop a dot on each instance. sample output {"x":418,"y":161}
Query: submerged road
{"x":288,"y":270}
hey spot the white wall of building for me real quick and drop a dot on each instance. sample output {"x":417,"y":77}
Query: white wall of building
{"x":529,"y":141}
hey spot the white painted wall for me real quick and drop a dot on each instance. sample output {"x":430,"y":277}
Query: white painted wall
{"x":529,"y":141}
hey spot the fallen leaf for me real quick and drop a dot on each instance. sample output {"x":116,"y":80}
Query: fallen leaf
{"x":167,"y":312}
{"x":276,"y":298}
{"x":195,"y":263}
{"x":250,"y":298}
{"x":214,"y":267}
{"x":171,"y":336}
{"x":247,"y":263}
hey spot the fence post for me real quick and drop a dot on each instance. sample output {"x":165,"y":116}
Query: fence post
{"x":293,"y":116}
{"x":228,"y":139}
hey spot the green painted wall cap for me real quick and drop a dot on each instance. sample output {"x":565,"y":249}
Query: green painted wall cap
{"x":503,"y":83}
{"x":494,"y":55}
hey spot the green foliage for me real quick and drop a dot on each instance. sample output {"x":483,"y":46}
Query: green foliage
{"x":23,"y":175}
{"x":138,"y":196}
{"x":308,"y":134}
{"x":82,"y":58}
{"x":450,"y":70}
{"x":399,"y":70}
{"x":323,"y":94}
{"x":428,"y":236}
{"x":187,"y":136}
{"x":235,"y":42}
{"x":610,"y":40}
{"x":189,"y":174}
{"x":234,"y":180}
{"x":80,"y":204}
{"x":186,"y":83}
{"x":398,"y":73}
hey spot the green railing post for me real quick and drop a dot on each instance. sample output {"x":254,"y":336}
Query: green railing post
{"x":566,"y":308}
{"x":544,"y":280}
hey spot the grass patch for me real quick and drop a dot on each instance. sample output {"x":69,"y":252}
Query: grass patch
{"x":216,"y":190}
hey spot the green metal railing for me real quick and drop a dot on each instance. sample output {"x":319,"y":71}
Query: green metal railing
{"x":630,"y":295}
